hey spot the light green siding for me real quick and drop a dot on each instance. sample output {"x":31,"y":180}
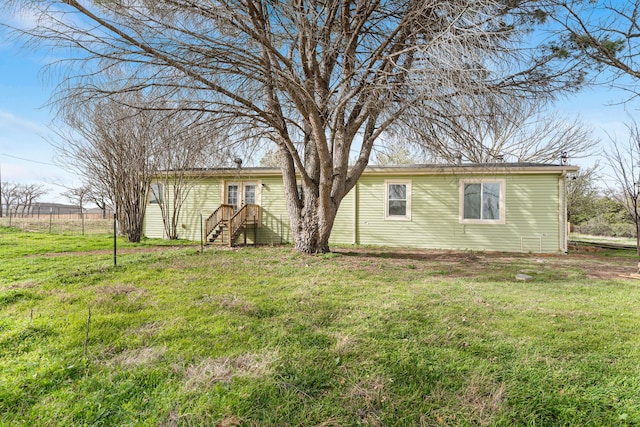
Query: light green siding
{"x":274,"y":228}
{"x":532,"y":219}
{"x":344,"y":226}
{"x":533,"y":214}
{"x":153,"y":226}
{"x":203,"y":197}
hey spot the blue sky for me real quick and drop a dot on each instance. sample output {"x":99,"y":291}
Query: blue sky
{"x":26,"y":156}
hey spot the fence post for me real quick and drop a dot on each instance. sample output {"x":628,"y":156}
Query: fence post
{"x":50,"y":219}
{"x":115,"y":241}
{"x":201,"y":236}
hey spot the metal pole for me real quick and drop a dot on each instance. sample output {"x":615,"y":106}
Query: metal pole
{"x":50,"y":218}
{"x":115,"y":241}
{"x":201,"y":236}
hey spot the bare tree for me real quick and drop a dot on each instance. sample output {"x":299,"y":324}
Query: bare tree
{"x":179,"y":150}
{"x":396,"y":149}
{"x":99,"y":195}
{"x":624,"y":160}
{"x":487,"y":130}
{"x":113,"y":144}
{"x":270,"y":159}
{"x":78,"y":195}
{"x":26,"y":195}
{"x":10,"y":197}
{"x":312,"y":77}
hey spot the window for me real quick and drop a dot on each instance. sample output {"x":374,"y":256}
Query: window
{"x":232,"y":196}
{"x":155,"y":193}
{"x":238,"y":193}
{"x":397,"y":200}
{"x":249,"y":194}
{"x":482,"y":202}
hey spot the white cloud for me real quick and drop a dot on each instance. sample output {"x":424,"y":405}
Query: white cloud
{"x":11,"y":121}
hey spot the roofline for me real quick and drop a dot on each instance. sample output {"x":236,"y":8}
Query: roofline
{"x":461,"y":169}
{"x":429,"y":169}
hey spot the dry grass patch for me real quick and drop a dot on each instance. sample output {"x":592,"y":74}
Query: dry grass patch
{"x":23,"y":285}
{"x":367,"y":398}
{"x":233,"y":303}
{"x":479,"y":402}
{"x":109,"y":293}
{"x":147,"y":329}
{"x":344,"y":344}
{"x":144,"y":356}
{"x":484,"y":398}
{"x":224,"y":369}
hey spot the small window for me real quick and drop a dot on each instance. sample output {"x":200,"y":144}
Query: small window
{"x":232,"y":196}
{"x":155,"y":193}
{"x":482,"y":202}
{"x":398,"y":200}
{"x":249,"y":194}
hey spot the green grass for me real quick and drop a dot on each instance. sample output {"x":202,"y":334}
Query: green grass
{"x":267,"y":336}
{"x":602,"y":239}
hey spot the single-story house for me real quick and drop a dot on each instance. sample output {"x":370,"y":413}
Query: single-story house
{"x":515,"y":207}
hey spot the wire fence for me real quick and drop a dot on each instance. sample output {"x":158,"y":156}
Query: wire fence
{"x":61,"y":224}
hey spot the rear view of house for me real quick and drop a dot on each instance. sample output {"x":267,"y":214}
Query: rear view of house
{"x":511,"y":207}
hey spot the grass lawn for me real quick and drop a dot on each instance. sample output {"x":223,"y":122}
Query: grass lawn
{"x":603,"y":239}
{"x":267,"y":336}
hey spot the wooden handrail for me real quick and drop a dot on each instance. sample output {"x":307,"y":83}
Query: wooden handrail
{"x":222,"y":214}
{"x":247,"y":212}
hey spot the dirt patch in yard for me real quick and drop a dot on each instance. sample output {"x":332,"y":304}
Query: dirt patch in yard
{"x":589,"y":260}
{"x":593,"y":264}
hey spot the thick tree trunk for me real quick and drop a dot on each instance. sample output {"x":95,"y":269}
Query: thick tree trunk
{"x":312,"y":229}
{"x":310,"y":215}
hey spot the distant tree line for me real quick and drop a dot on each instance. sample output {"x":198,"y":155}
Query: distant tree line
{"x":18,"y":199}
{"x":612,"y":210}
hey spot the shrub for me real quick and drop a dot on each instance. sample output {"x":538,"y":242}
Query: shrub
{"x":623,"y":230}
{"x":595,"y":227}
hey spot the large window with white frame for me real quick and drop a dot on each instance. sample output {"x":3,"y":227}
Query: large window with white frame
{"x":482,"y":201}
{"x":397,"y":196}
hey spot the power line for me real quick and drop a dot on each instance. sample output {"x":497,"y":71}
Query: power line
{"x":27,"y":160}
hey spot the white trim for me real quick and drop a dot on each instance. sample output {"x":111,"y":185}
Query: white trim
{"x":241,"y":184}
{"x":407,"y":216}
{"x":501,"y":207}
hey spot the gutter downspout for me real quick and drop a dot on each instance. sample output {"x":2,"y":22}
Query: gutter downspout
{"x":562,"y":210}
